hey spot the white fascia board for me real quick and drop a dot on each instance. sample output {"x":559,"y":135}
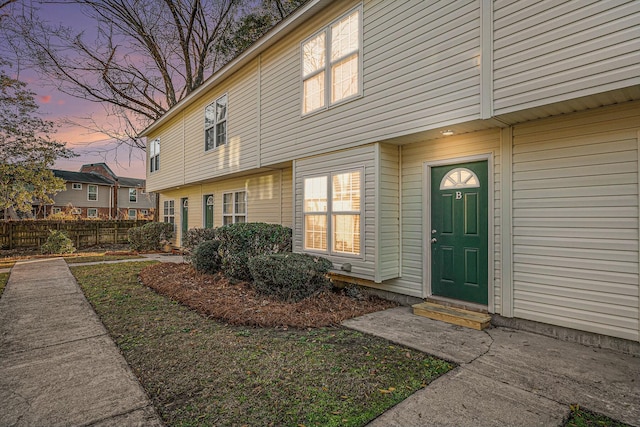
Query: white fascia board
{"x":272,"y":36}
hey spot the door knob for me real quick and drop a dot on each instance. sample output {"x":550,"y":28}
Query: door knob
{"x":434,"y":240}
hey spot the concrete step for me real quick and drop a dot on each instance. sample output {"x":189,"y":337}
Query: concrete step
{"x":456,"y":316}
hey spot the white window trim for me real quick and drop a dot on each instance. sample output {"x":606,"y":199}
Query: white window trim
{"x":154,"y":155}
{"x":327,"y":65}
{"x":76,"y":186}
{"x":135,"y":213}
{"x":89,"y":212}
{"x":89,"y":193}
{"x":215,"y":125}
{"x":136,"y":195}
{"x":56,"y":210}
{"x":165,"y":217}
{"x":329,"y":213}
{"x":144,"y":211}
{"x":234,"y":214}
{"x":76,"y":211}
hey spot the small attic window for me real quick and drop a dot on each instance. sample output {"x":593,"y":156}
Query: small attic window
{"x":76,"y":186}
{"x":459,"y":178}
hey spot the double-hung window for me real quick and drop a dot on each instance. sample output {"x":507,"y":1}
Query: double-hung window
{"x":169,"y":212}
{"x":92,"y":193}
{"x":332,"y":213}
{"x":331,"y":68}
{"x":215,"y":123}
{"x":133,"y":195}
{"x":154,"y":155}
{"x":92,"y":213}
{"x":234,"y":207}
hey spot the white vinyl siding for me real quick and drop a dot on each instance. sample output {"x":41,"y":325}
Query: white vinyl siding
{"x":420,"y":69}
{"x":575,"y":221}
{"x":388,"y":208}
{"x":366,"y":160}
{"x":413,"y":157}
{"x":269,"y":198}
{"x":553,"y":51}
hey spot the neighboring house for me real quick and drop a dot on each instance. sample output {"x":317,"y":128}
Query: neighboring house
{"x":96,"y":192}
{"x":470,"y":150}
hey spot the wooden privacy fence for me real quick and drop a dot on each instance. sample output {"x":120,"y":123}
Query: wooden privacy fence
{"x":32,"y":234}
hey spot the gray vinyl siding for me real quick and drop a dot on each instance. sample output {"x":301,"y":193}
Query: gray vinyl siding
{"x":145,"y":201}
{"x":79,"y":198}
{"x":413,"y":158}
{"x":388,"y":208}
{"x":346,"y":160}
{"x":412,"y":81}
{"x":549,"y":51}
{"x":575,"y":221}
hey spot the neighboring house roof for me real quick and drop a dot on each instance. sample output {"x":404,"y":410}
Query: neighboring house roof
{"x":102,"y":165}
{"x":82,"y":177}
{"x":131,"y":182}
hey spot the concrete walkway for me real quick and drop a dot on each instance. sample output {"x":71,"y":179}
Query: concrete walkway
{"x":58,"y":366}
{"x":505,"y":377}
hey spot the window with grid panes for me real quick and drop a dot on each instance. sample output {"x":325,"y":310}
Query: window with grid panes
{"x":215,"y":123}
{"x":234,"y":207}
{"x":332,"y":213}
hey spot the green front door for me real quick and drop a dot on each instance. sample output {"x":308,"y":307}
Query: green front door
{"x":184,"y":217}
{"x":208,"y":211}
{"x":459,"y":232}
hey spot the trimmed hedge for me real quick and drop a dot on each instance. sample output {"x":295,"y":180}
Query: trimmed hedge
{"x":151,"y":236}
{"x":241,"y":241}
{"x":194,"y":237}
{"x":57,"y":243}
{"x":289,"y":277}
{"x":206,"y":258}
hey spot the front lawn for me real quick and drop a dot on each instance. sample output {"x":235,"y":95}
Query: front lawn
{"x":4,"y":278}
{"x":199,"y":371}
{"x":583,"y":418}
{"x":76,"y":259}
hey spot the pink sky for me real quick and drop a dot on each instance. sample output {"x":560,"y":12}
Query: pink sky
{"x":92,"y":147}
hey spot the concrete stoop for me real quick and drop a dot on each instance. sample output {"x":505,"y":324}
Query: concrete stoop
{"x":453,"y":315}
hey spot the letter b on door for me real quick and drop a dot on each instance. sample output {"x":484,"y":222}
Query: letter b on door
{"x":458,"y":195}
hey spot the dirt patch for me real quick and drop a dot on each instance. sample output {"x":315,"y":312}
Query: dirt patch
{"x":239,"y":304}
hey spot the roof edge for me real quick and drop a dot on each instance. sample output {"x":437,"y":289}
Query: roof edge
{"x":267,"y":40}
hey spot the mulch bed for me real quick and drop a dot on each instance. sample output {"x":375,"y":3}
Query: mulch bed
{"x":239,"y":304}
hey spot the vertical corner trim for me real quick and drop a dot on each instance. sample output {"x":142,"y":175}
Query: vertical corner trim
{"x":506,"y":213}
{"x":486,"y":59}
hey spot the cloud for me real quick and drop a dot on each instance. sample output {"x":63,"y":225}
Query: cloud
{"x":45,"y":99}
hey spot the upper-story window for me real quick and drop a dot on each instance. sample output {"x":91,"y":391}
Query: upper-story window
{"x":331,"y":64}
{"x":215,"y":123}
{"x":133,"y":195}
{"x":154,"y":155}
{"x":76,"y":186}
{"x":92,"y":193}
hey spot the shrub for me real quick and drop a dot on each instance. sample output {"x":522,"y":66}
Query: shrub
{"x":194,"y":237}
{"x":289,"y":277}
{"x":242,"y":241}
{"x":206,"y":258}
{"x":57,"y":243}
{"x":151,"y":236}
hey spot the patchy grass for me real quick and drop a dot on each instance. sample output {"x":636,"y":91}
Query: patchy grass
{"x":7,"y":263}
{"x":583,"y":418}
{"x":99,"y":258}
{"x":198,"y":371}
{"x":4,"y":278}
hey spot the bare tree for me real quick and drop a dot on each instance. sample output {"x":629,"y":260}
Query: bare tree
{"x":145,"y":56}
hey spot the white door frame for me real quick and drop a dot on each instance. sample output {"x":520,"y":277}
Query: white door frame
{"x":426,"y":220}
